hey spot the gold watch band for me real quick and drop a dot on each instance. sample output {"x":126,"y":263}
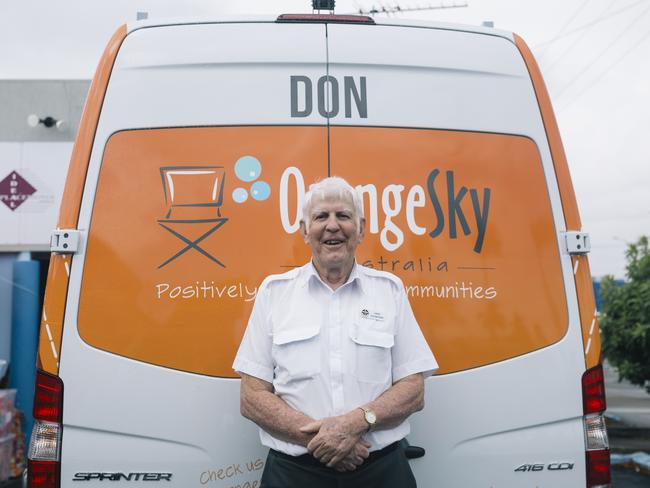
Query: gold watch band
{"x":366,"y":411}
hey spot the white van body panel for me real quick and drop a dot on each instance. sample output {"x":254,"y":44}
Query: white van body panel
{"x":108,"y":407}
{"x":497,"y":96}
{"x":104,"y":434}
{"x":525,"y":417}
{"x":250,"y":63}
{"x":507,"y":423}
{"x":417,"y":86}
{"x":250,"y":19}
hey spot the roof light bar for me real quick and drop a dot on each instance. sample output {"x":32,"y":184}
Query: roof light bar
{"x":326,"y":18}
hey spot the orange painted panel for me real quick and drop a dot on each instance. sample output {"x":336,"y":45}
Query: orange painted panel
{"x":584,"y":286}
{"x":51,"y":329}
{"x":71,"y":200}
{"x":587,"y":305}
{"x":569,"y":206}
{"x":173,"y":260}
{"x":56,"y":291}
{"x":465,"y":220}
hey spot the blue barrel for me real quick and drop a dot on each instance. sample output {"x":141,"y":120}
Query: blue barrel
{"x":25,"y":312}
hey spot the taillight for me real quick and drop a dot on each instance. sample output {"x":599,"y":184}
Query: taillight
{"x":596,"y":440}
{"x":44,"y":467}
{"x":44,"y":444}
{"x":598,"y":469}
{"x":48,"y":397}
{"x":593,"y":390}
{"x":43,"y":474}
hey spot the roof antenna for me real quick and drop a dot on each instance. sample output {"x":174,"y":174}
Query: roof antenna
{"x":323,"y":5}
{"x":398,"y":9}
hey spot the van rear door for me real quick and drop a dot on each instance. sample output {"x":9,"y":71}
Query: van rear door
{"x":181,"y":209}
{"x":462,"y":203}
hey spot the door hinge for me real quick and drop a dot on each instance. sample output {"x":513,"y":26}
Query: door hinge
{"x":65,"y":241}
{"x":577,"y":243}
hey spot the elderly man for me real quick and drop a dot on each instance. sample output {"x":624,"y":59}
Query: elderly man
{"x":332,"y":361}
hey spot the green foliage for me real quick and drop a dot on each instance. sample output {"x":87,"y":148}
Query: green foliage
{"x":625,"y":320}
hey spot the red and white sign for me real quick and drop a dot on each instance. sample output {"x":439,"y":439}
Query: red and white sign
{"x":14,"y":190}
{"x":32,"y":175}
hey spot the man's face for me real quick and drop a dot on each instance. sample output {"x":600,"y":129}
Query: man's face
{"x":333,"y":234}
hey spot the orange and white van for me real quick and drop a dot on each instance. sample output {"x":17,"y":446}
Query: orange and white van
{"x":196,"y":146}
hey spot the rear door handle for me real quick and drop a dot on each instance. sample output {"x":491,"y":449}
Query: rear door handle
{"x":413,"y":452}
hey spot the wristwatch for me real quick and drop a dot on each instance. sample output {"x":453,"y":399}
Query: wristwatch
{"x":370,"y":416}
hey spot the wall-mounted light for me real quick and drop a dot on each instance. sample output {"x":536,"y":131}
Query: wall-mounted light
{"x":33,"y":120}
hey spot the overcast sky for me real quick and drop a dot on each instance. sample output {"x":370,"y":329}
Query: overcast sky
{"x":594,"y":54}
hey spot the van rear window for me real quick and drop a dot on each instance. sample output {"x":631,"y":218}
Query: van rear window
{"x":187,"y":222}
{"x":465,"y":220}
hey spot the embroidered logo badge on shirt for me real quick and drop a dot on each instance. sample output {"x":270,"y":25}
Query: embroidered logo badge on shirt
{"x":370,"y":315}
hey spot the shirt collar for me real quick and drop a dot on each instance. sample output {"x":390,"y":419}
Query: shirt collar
{"x":309,"y":273}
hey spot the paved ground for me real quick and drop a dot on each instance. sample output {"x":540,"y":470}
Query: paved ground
{"x":629,"y":479}
{"x":628,"y":424}
{"x":14,"y":483}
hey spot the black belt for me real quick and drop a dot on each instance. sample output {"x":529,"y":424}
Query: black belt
{"x":310,"y":461}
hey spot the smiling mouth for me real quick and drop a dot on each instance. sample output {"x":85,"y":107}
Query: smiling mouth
{"x":333,"y":242}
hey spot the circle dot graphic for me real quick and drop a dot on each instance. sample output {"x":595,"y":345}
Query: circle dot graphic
{"x":248,"y":168}
{"x":260,"y":190}
{"x":239,"y":195}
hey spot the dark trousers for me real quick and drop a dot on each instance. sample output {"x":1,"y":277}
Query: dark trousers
{"x":387,"y":468}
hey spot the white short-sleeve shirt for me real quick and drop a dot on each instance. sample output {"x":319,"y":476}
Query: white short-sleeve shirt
{"x":328,"y":352}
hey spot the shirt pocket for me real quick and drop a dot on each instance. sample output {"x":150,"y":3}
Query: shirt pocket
{"x":296,"y":352}
{"x":372,"y":353}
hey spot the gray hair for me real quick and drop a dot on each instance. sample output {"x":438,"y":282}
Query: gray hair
{"x":336,"y":187}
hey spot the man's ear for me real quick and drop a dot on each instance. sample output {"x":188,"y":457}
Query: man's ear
{"x":303,"y":231}
{"x":362,"y":228}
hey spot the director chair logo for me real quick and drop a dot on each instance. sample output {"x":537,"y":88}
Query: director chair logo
{"x":193,"y":196}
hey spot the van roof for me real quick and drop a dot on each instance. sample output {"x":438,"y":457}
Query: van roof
{"x":141,"y":24}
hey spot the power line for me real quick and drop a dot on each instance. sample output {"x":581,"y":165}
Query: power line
{"x":589,"y":24}
{"x":575,"y":14}
{"x":575,"y":42}
{"x":568,"y":22}
{"x":609,"y":68}
{"x":625,"y":30}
